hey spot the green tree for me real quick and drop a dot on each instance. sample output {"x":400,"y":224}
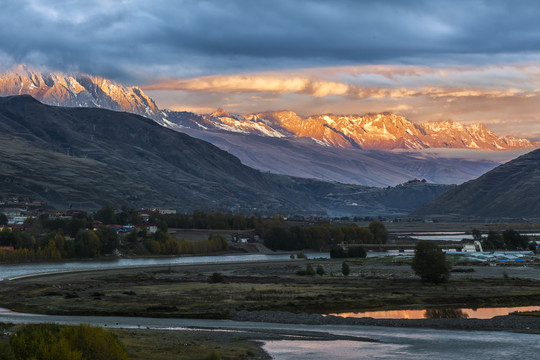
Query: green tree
{"x":309,"y":270}
{"x":132,"y":237}
{"x":379,"y":231}
{"x":8,"y":238}
{"x":345,"y":269}
{"x":514,"y":240}
{"x":106,"y":215}
{"x":429,"y":263}
{"x":109,"y":239}
{"x":365,"y":236}
{"x":493,"y":241}
{"x":477,"y":234}
{"x":94,"y":343}
{"x":3,"y":219}
{"x":77,"y":224}
{"x":60,"y":242}
{"x":278,"y":238}
{"x":87,"y":244}
{"x":320,"y":270}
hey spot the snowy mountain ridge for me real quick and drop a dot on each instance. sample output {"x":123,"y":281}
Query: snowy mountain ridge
{"x":78,"y":90}
{"x":384,"y":131}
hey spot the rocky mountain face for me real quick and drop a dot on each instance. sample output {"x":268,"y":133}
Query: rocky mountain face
{"x":372,"y":150}
{"x":77,"y":90}
{"x":508,"y":191}
{"x":304,"y":157}
{"x":259,"y":145}
{"x":372,"y":131}
{"x":90,"y":157}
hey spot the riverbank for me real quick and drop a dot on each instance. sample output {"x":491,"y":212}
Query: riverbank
{"x":193,"y":291}
{"x":526,"y":324}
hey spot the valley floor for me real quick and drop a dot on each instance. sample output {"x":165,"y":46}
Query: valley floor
{"x":254,"y":290}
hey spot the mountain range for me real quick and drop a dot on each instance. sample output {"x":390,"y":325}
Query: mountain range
{"x":372,"y":150}
{"x":384,"y":131}
{"x":90,"y":157}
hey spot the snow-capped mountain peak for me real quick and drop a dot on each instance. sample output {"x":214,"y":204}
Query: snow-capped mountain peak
{"x":77,"y":90}
{"x":383,"y":131}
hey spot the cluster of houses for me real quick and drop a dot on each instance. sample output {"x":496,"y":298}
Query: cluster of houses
{"x":18,"y":212}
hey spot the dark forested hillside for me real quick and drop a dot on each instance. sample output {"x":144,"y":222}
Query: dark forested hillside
{"x":509,"y":191}
{"x":89,"y":157}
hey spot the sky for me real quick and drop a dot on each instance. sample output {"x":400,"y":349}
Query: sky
{"x":467,"y":61}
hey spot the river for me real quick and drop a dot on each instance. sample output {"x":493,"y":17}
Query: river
{"x":391,"y":343}
{"x":417,"y":344}
{"x":9,"y":271}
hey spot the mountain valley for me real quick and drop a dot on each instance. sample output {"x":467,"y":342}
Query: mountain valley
{"x":90,"y":157}
{"x":372,"y":150}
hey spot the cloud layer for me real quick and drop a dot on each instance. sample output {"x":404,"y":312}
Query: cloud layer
{"x":140,"y":40}
{"x":464,"y":60}
{"x":504,"y":97}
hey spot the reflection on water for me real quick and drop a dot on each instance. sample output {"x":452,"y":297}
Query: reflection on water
{"x":445,"y":313}
{"x":479,"y":313}
{"x":324,"y":350}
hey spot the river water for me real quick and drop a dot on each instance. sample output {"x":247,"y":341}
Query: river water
{"x":418,"y":344}
{"x":391,"y":343}
{"x":477,"y":313}
{"x":448,"y":235}
{"x":17,"y":270}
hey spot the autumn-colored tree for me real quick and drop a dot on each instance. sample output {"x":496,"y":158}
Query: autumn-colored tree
{"x":54,"y":342}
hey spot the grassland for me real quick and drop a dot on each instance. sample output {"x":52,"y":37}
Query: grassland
{"x":185,"y":292}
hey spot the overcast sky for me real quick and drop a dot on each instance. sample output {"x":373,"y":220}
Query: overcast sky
{"x":470,"y":61}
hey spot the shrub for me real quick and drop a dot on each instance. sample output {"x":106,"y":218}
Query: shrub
{"x":429,"y":263}
{"x":213,"y":356}
{"x":320,"y":270}
{"x":357,"y":252}
{"x":216,"y":278}
{"x":338,"y":252}
{"x":6,"y":353}
{"x":52,"y":341}
{"x":345,"y":269}
{"x":309,"y":270}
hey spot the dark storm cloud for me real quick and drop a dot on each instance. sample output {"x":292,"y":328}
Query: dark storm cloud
{"x":136,"y":41}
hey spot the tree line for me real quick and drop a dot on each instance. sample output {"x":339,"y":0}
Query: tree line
{"x":52,"y":238}
{"x":318,"y":237}
{"x":47,"y":237}
{"x":507,"y":240}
